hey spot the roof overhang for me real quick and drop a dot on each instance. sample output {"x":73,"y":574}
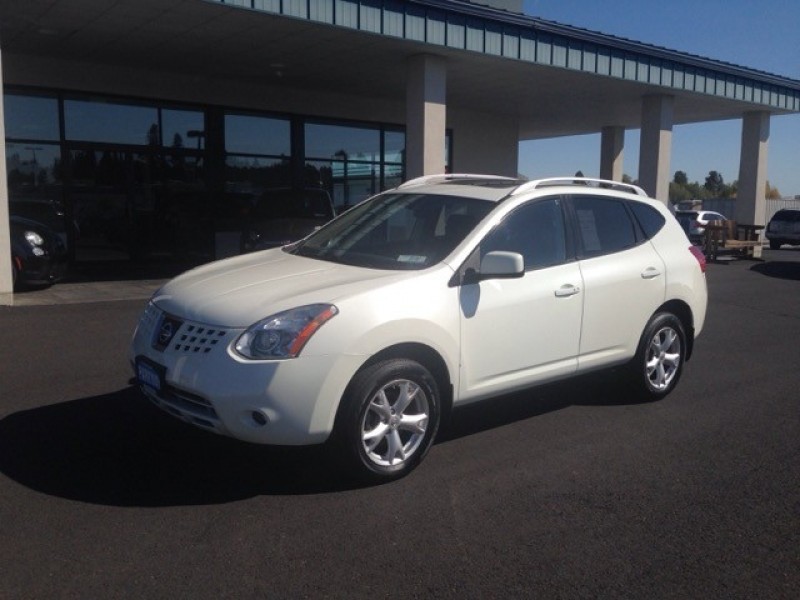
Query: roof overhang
{"x":557,"y":80}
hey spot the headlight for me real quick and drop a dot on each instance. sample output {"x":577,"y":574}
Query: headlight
{"x":34,"y":239}
{"x":283,"y":335}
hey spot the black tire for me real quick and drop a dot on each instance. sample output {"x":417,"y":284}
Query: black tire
{"x":774,"y":244}
{"x":658,"y":364}
{"x":381,"y":434}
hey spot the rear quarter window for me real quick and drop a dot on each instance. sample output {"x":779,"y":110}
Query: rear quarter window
{"x":650,"y":220}
{"x":604,"y":225}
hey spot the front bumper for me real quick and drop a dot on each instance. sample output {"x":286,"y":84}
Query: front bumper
{"x":291,"y":402}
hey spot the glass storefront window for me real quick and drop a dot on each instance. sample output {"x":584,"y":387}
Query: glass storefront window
{"x":34,"y":183}
{"x":257,"y":135}
{"x":342,"y":142}
{"x":31,"y":117}
{"x":183,"y":129}
{"x":94,"y":121}
{"x":394,"y":146}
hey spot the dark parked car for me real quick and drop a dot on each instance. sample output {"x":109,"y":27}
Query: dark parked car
{"x":282,"y":216}
{"x":784,"y":228}
{"x":38,"y":254}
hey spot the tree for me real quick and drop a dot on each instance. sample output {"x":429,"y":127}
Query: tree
{"x":714,"y":184}
{"x":680,"y":178}
{"x":772,"y":193}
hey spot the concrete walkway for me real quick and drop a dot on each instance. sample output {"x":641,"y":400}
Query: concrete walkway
{"x":77,"y":293}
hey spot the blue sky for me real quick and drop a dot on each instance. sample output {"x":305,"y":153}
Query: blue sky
{"x":758,"y":34}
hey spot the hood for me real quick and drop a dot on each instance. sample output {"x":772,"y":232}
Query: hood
{"x":278,"y":232}
{"x":239,"y":291}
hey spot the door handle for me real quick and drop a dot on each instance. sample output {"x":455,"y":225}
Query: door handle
{"x":650,"y":273}
{"x":565,"y":291}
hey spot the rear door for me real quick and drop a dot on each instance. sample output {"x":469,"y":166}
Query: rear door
{"x":623,"y":276}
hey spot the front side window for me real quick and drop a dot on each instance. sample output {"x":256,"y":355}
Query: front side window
{"x":604,"y":225}
{"x":396,"y":231}
{"x":535,"y":230}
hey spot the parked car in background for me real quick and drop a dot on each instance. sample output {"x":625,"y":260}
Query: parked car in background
{"x":38,"y":254}
{"x":446,"y":290}
{"x":784,"y":228}
{"x":281,"y":216}
{"x":694,"y":222}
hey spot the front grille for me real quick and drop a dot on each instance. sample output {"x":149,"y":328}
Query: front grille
{"x":190,"y":337}
{"x":193,"y":338}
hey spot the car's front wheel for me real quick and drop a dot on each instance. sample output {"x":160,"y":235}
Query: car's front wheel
{"x":657,"y":366}
{"x":388,"y":419}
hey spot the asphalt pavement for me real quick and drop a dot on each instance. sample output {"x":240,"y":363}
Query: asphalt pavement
{"x":566,"y":491}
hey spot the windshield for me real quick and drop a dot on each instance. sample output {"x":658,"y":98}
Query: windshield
{"x":396,"y":231}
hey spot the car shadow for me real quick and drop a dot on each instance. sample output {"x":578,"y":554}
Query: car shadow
{"x":117,"y":449}
{"x":596,"y":389}
{"x":779,"y":269}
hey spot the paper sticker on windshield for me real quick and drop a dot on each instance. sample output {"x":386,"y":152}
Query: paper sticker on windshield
{"x":412,"y":258}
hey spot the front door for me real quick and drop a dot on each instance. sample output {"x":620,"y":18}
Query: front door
{"x":515,"y":332}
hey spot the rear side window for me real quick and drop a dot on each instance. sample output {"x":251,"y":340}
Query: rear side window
{"x":604,"y":225}
{"x":650,"y":220}
{"x":789,"y":216}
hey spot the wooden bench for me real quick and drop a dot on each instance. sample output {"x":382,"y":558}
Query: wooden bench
{"x":732,"y":238}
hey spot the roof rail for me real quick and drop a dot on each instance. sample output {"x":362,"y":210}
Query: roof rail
{"x":582,"y":181}
{"x":441,"y":177}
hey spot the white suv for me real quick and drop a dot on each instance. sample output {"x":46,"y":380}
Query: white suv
{"x":446,"y":290}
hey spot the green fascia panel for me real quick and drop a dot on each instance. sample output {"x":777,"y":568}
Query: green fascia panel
{"x":516,"y":37}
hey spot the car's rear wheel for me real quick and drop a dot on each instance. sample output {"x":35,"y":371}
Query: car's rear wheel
{"x":388,"y":419}
{"x":658,"y":363}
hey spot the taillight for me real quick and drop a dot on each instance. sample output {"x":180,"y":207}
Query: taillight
{"x":698,"y":254}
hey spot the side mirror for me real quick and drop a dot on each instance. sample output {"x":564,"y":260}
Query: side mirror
{"x":497,"y":265}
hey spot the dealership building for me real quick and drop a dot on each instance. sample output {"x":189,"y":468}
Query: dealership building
{"x":140,"y":130}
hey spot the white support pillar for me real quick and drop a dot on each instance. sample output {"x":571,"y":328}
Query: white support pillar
{"x":6,"y":281}
{"x":612,"y":146}
{"x":426,"y":113}
{"x":655,"y":146}
{"x":751,"y":192}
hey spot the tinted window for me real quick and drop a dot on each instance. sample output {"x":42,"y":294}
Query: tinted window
{"x":650,"y":220}
{"x":97,"y":121}
{"x":31,"y":117}
{"x":183,"y":129}
{"x":257,"y":135}
{"x":603,"y":225}
{"x":341,"y":142}
{"x":787,"y":215}
{"x":535,"y":230}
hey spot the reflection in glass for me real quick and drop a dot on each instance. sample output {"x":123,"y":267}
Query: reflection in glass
{"x":34,"y":183}
{"x":31,"y":117}
{"x":110,"y":122}
{"x":183,"y":129}
{"x":394,"y":146}
{"x":246,"y":180}
{"x":328,"y":141}
{"x":140,"y":206}
{"x":257,"y":135}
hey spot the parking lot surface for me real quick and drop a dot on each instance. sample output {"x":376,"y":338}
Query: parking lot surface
{"x":566,"y":491}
